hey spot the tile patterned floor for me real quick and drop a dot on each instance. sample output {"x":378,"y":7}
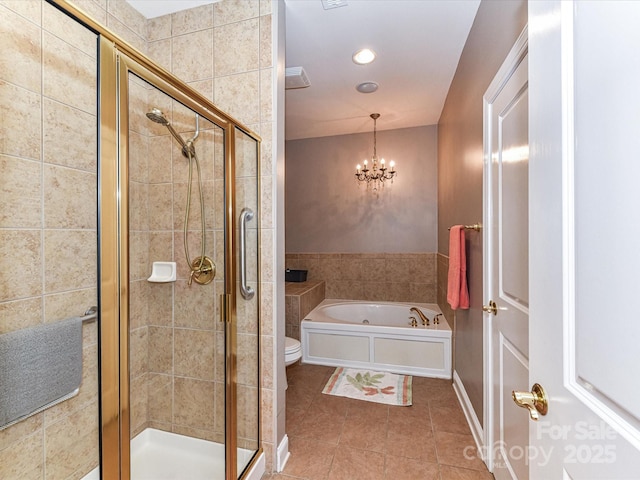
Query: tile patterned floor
{"x":336,"y":438}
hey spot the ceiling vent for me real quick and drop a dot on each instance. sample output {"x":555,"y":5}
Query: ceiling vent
{"x":295,"y":77}
{"x":329,"y":4}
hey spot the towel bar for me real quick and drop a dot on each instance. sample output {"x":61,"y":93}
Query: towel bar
{"x":90,"y":315}
{"x":476,"y":226}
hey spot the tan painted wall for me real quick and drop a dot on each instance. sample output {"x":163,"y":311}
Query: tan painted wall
{"x":460,"y":159}
{"x":326,"y":211}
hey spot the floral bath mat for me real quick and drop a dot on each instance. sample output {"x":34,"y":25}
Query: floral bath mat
{"x":379,"y":387}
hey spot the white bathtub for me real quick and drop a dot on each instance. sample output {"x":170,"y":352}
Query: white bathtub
{"x":378,"y":336}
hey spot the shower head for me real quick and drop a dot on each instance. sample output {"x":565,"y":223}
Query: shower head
{"x":156,"y":115}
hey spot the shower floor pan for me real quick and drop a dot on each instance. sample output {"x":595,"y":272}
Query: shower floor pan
{"x":159,"y":455}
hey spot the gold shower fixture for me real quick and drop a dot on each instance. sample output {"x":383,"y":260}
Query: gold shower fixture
{"x":379,"y":172}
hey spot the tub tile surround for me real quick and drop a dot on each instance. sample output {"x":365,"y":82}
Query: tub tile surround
{"x":338,"y":438}
{"x":389,"y":277}
{"x":300,"y":299}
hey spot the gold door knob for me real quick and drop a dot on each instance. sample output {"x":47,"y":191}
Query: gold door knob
{"x":535,"y":401}
{"x":491,"y":308}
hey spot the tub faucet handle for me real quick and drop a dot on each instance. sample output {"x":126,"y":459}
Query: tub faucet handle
{"x":436,"y":319}
{"x":414,"y":322}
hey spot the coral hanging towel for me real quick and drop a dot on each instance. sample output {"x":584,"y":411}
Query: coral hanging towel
{"x":457,"y":293}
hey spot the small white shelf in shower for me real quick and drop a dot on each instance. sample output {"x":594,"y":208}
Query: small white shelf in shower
{"x":163,"y":272}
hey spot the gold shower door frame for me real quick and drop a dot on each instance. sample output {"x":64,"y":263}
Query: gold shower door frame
{"x":117,"y":59}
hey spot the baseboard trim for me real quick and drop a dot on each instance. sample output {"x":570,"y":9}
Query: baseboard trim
{"x":282,"y":455}
{"x":470,"y":414}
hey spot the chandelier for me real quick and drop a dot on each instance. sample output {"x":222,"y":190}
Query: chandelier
{"x":378,"y":173}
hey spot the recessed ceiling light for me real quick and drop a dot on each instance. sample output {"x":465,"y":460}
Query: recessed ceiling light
{"x":364,"y":56}
{"x":367,"y":87}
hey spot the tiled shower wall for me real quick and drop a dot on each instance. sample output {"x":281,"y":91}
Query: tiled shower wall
{"x":222,"y":50}
{"x":393,"y":277}
{"x":48,"y":220}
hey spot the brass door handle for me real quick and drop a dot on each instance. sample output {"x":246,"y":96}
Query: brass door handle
{"x":535,"y":401}
{"x":491,"y":308}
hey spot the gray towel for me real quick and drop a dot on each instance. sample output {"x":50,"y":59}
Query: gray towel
{"x":39,"y":366}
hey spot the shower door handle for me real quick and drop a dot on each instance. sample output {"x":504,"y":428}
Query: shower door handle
{"x":246,"y":291}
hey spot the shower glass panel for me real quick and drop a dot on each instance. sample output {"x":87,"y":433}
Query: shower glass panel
{"x":176,"y":276}
{"x":48,"y":244}
{"x":248,"y":332}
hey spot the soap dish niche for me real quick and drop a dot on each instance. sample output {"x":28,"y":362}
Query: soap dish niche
{"x":163,"y":272}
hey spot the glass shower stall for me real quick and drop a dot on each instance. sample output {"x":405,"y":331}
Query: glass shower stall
{"x":139,"y":198}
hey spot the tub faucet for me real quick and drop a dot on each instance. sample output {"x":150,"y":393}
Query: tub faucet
{"x":423,"y":317}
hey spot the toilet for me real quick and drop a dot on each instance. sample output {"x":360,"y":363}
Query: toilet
{"x":292,"y":351}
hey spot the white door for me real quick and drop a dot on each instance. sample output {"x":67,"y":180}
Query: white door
{"x":584,"y":135}
{"x":506,"y":176}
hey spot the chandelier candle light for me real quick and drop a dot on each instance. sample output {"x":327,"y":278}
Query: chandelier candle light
{"x":375,"y":175}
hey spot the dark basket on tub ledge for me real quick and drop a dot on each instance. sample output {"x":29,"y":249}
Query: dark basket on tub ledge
{"x":295,"y":275}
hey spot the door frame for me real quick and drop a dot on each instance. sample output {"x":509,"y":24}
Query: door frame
{"x":513,"y":59}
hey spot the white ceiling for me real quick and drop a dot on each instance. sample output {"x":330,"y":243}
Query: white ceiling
{"x":157,"y":8}
{"x":418,"y":43}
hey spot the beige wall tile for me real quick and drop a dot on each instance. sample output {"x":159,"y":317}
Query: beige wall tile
{"x":248,"y":408}
{"x":138,"y":304}
{"x":20,"y":124}
{"x":69,"y":304}
{"x":88,"y":389}
{"x":160,"y":349}
{"x":160,"y":297}
{"x":69,"y":75}
{"x":266,"y":49}
{"x":71,"y":445}
{"x":129,"y":16}
{"x":158,"y":28}
{"x":139,"y":255}
{"x":20,"y":264}
{"x":266,"y":99}
{"x":95,"y":8}
{"x":160,"y":389}
{"x":266,"y":7}
{"x":248,"y":356}
{"x":193,"y":403}
{"x":69,"y":136}
{"x":139,"y":404}
{"x":194,"y":353}
{"x":194,"y":308}
{"x":23,"y":459}
{"x":192,"y":20}
{"x":69,"y":259}
{"x":160,"y":52}
{"x":21,"y":188}
{"x":141,"y":351}
{"x":64,"y":27}
{"x":160,"y":206}
{"x":192,"y":56}
{"x":230,"y":11}
{"x":20,"y":430}
{"x":160,"y":165}
{"x":20,"y":314}
{"x":127,"y":34}
{"x":20,"y":51}
{"x":239,"y":95}
{"x":70,"y":198}
{"x":138,"y":157}
{"x":243,"y":39}
{"x":32,"y":11}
